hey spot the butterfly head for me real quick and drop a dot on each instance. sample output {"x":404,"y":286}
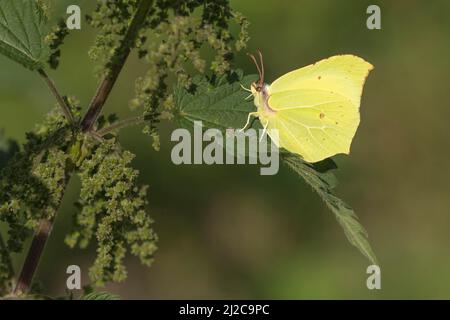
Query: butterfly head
{"x":258,"y":86}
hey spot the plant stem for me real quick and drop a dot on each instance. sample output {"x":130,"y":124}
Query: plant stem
{"x":64,"y":107}
{"x":36,"y":250}
{"x":34,"y":254}
{"x":122,"y":124}
{"x":117,"y":62}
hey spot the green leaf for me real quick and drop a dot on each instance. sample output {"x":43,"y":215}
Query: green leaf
{"x":217,"y":103}
{"x":22,"y":32}
{"x":99,"y":296}
{"x":323,"y":181}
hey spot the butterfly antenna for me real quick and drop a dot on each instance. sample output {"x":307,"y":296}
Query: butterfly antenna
{"x":257,"y":66}
{"x":262,"y":67}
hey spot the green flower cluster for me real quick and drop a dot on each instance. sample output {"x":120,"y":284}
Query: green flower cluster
{"x":32,"y":186}
{"x":176,"y":39}
{"x":112,"y":209}
{"x":54,"y":40}
{"x":111,"y":18}
{"x":7,"y":150}
{"x":181,"y":38}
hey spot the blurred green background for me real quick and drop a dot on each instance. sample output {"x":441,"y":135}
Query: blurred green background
{"x":225,"y":231}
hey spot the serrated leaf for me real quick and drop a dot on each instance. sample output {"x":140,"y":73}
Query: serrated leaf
{"x":99,"y":296}
{"x":220,"y":104}
{"x":323,"y":181}
{"x":22,"y":32}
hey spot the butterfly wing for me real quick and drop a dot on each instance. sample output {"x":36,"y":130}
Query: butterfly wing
{"x":313,"y":123}
{"x":317,"y":107}
{"x":344,"y":74}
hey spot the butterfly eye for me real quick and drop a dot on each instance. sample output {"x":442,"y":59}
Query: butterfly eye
{"x":258,"y":88}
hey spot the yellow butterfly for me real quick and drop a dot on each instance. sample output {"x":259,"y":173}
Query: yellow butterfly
{"x":315,"y":109}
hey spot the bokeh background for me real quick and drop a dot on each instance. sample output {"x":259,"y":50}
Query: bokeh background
{"x":225,"y":231}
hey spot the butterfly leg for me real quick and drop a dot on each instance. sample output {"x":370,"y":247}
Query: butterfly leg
{"x":264,"y":131}
{"x":248,"y":90}
{"x":249,"y":96}
{"x":254,"y":114}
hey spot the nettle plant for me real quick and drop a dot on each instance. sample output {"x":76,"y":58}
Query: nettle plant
{"x":188,"y":48}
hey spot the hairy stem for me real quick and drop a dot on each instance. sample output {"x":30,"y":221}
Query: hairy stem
{"x":33,"y":257}
{"x":122,"y":124}
{"x":35,"y":252}
{"x":64,"y":107}
{"x":117,"y":61}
